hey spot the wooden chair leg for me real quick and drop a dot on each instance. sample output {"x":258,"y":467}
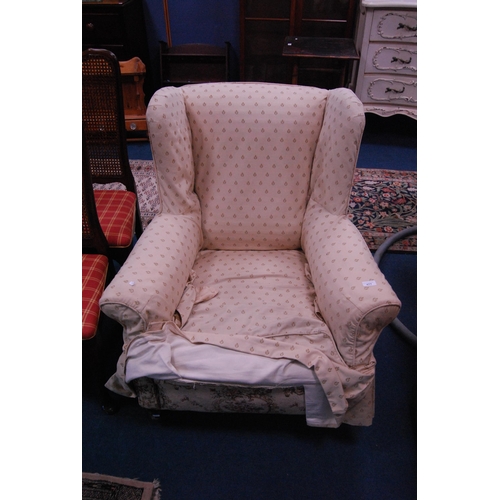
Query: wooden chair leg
{"x":109,"y":338}
{"x":99,"y":363}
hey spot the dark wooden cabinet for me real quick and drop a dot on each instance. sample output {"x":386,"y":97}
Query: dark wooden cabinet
{"x":118,"y":26}
{"x":264,"y":26}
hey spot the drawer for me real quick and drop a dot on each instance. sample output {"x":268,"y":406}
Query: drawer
{"x":102,"y":28}
{"x":389,"y":89}
{"x":391,"y":58}
{"x":136,"y":124}
{"x":398,"y":25}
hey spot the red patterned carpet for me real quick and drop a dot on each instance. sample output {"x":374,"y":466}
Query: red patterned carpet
{"x":383,"y":202}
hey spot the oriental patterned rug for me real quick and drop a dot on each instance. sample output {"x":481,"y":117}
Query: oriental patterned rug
{"x":101,"y":487}
{"x":382,"y":203}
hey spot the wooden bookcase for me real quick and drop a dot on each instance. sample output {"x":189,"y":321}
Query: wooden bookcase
{"x":264,"y":26}
{"x":193,"y":63}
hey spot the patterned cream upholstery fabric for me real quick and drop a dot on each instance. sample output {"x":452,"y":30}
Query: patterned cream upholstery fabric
{"x":253,"y":147}
{"x":253,"y":251}
{"x":149,"y":285}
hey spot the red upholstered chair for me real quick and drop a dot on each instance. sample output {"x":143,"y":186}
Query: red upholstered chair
{"x":97,"y":269}
{"x":94,"y":272}
{"x":105,"y":135}
{"x":97,"y":272}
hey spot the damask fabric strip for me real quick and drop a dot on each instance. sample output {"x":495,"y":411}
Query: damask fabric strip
{"x":217,"y":398}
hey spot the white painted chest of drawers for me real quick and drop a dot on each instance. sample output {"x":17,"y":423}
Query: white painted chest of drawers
{"x":386,"y":39}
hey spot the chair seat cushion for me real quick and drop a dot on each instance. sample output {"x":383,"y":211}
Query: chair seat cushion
{"x":94,"y":269}
{"x":116,"y":211}
{"x":264,"y":303}
{"x":260,"y":293}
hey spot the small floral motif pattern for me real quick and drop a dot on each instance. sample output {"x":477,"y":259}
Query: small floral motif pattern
{"x":384,"y":202}
{"x":275,"y":245}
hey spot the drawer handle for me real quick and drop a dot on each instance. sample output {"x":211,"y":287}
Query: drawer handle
{"x":395,"y":91}
{"x":89,"y":27}
{"x":406,"y":27}
{"x":402,"y":61}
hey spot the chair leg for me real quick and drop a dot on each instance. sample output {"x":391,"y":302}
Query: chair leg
{"x":109,"y":404}
{"x":110,"y":334}
{"x":98,"y":359}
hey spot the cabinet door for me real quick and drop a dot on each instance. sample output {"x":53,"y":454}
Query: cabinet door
{"x":266,"y":23}
{"x":264,"y":26}
{"x":325,"y":18}
{"x":266,"y":9}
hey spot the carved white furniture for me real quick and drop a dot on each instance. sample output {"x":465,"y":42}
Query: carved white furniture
{"x":387,"y":41}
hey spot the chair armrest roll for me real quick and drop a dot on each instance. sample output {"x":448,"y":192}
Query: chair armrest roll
{"x":352,"y":294}
{"x":150,"y":283}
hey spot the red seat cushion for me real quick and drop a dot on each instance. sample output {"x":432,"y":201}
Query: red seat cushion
{"x":94,"y":269}
{"x":116,"y":211}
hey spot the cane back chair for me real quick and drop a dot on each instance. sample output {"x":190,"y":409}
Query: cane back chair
{"x":104,"y":125}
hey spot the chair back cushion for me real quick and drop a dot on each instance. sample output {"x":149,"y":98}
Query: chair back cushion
{"x":253,"y":147}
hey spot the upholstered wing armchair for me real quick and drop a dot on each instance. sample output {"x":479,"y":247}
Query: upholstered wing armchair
{"x":252,"y":290}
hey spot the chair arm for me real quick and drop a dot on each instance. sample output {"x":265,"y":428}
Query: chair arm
{"x":150,"y":283}
{"x":352,"y":294}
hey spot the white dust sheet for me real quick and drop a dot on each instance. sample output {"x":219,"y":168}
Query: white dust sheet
{"x":177,"y":359}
